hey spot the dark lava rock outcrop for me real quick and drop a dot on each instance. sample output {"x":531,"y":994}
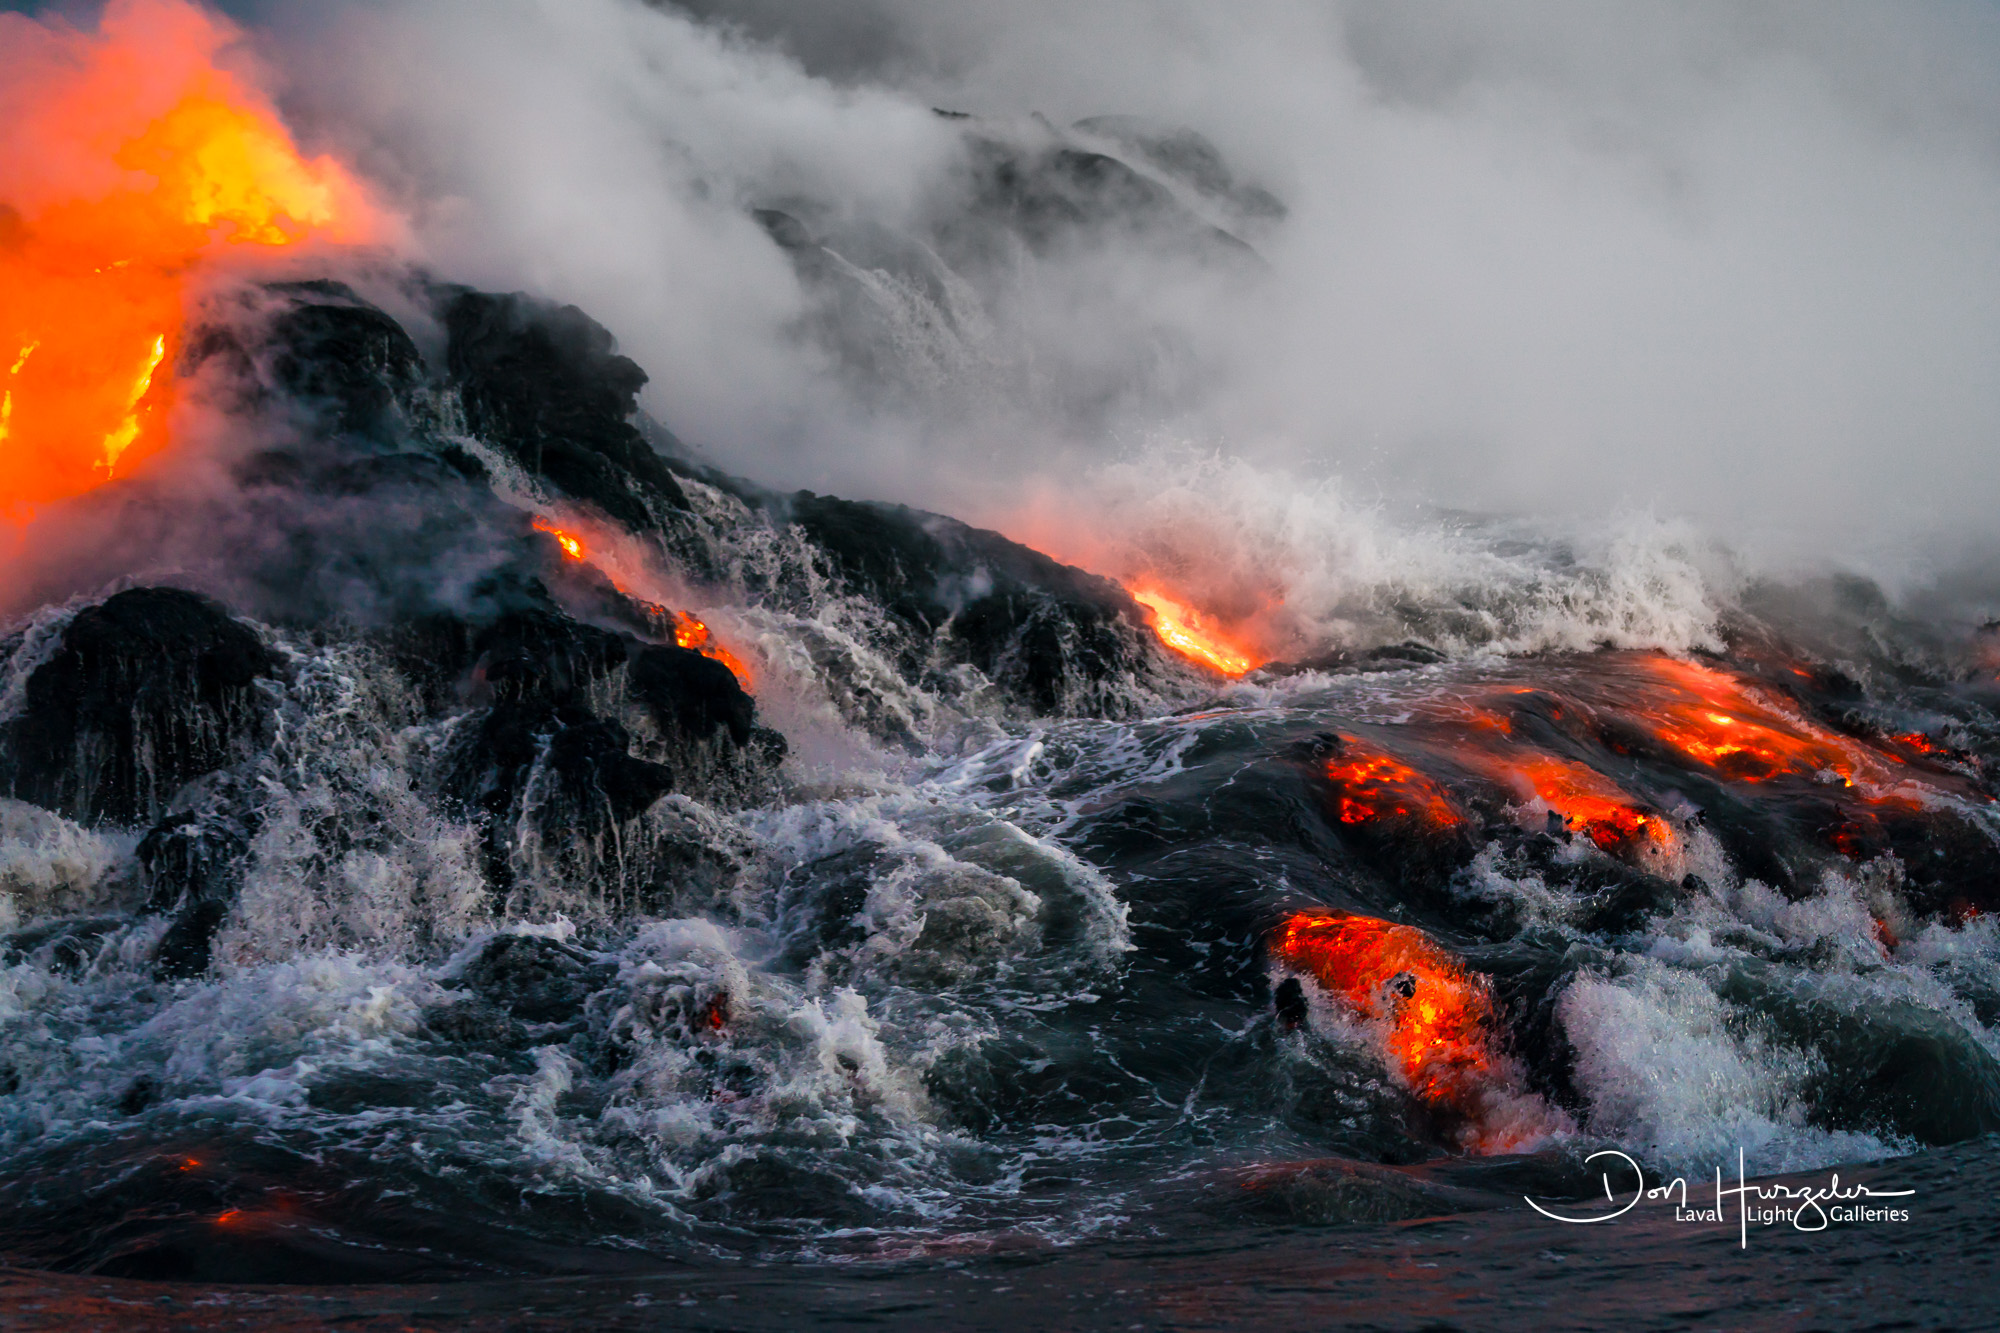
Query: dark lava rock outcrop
{"x":149,"y":689}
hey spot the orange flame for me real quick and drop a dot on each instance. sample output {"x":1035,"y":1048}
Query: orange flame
{"x":1186,"y":631}
{"x":1439,"y":1016}
{"x":128,"y":157}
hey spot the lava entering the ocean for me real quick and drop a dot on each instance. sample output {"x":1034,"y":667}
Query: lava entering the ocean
{"x":689,"y":631}
{"x":128,"y":158}
{"x":1372,"y":786}
{"x":1713,"y":719}
{"x":1189,"y":633}
{"x":1438,"y":1016}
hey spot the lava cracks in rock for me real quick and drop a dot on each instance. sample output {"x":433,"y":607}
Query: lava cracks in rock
{"x":1627,"y":753}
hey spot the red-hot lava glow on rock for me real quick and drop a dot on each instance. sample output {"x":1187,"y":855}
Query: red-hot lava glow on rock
{"x":1586,"y":801}
{"x":1437,"y":1014}
{"x":129,"y":157}
{"x":1194,"y":636}
{"x":692,"y":633}
{"x":689,"y":631}
{"x":571,"y":544}
{"x":1718,"y":722}
{"x":1371,"y":786}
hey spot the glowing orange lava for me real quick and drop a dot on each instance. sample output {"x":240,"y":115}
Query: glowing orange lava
{"x":1713,"y":719}
{"x":128,"y":157}
{"x":1591,"y":804}
{"x":1186,"y":631}
{"x":1371,"y":786}
{"x":689,"y":632}
{"x":692,"y":633}
{"x":1924,"y":745}
{"x":571,"y":544}
{"x":1438,"y":1015}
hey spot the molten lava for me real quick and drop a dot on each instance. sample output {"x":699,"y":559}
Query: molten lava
{"x":689,"y":632}
{"x":1189,"y":633}
{"x":1591,"y":804}
{"x":571,"y":544}
{"x":692,"y":633}
{"x":129,"y":158}
{"x":1715,"y":720}
{"x":1438,"y":1016}
{"x":1372,"y":786}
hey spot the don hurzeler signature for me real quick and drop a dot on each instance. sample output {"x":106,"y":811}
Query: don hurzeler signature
{"x":1805,"y":1207}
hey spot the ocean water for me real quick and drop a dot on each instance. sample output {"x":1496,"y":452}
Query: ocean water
{"x":994,"y":1026}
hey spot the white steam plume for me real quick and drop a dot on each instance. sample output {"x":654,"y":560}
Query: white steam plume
{"x":1734,"y":262}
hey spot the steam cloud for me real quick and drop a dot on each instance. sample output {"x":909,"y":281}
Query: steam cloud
{"x":1728,"y":263}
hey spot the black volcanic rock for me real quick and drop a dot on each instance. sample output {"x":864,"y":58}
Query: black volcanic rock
{"x":539,"y":755}
{"x":691,"y":694}
{"x":191,"y":866}
{"x":335,"y":352}
{"x":1061,"y":190}
{"x":1054,"y":637}
{"x":146,"y":691}
{"x":534,"y":980}
{"x":544,"y":383}
{"x":544,"y":657}
{"x":1184,"y":155}
{"x":568,"y":773}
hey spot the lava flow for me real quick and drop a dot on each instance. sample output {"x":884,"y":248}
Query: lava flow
{"x":689,"y":631}
{"x":1189,"y":633}
{"x":1438,"y":1015}
{"x":1713,"y":719}
{"x":129,"y":157}
{"x":1372,"y":786}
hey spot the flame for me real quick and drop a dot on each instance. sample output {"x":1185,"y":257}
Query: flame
{"x":1186,"y":631}
{"x":129,"y":158}
{"x":1438,"y":1015}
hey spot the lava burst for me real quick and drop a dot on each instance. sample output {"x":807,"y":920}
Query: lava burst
{"x":1193,"y":635}
{"x":129,"y":157}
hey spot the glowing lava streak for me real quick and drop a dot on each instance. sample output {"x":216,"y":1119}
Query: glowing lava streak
{"x":692,"y":633}
{"x":129,"y":158}
{"x":571,"y":544}
{"x":1438,"y":1016}
{"x":689,"y":632}
{"x":1716,"y":721}
{"x":1184,"y":629}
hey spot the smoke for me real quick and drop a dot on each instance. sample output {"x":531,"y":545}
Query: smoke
{"x":1729,"y":261}
{"x":1727,"y":268}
